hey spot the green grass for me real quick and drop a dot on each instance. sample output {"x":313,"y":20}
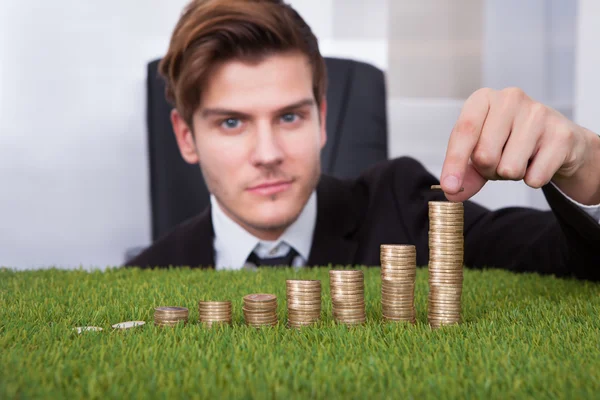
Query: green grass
{"x":523,"y":336}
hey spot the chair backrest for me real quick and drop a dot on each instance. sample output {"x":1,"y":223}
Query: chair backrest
{"x":356,"y":139}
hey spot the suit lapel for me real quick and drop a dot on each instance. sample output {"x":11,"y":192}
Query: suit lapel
{"x":203,"y":240}
{"x":338,"y":216}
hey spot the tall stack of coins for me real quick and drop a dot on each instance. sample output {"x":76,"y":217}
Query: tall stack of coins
{"x":214,"y":312}
{"x":260,"y":309}
{"x":348,"y":296}
{"x":170,"y":316}
{"x":303,"y":302}
{"x":398,"y":274}
{"x":446,"y":256}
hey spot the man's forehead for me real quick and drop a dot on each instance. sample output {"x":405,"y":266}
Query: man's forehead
{"x":207,"y":110}
{"x":264,"y":86}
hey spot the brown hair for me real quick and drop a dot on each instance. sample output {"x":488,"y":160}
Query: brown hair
{"x":210,"y":32}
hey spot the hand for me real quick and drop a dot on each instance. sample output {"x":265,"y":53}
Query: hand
{"x":505,"y":135}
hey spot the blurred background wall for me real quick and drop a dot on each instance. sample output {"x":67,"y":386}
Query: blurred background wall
{"x":73,"y":169}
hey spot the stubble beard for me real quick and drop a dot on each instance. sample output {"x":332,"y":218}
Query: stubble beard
{"x":213,"y":183}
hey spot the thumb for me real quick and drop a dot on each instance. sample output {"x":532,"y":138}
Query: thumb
{"x":472,"y":183}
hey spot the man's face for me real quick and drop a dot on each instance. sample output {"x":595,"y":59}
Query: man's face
{"x":258,"y":136}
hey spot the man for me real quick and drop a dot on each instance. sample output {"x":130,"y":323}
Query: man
{"x":248,"y":84}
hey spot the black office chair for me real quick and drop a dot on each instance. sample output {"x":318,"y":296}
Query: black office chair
{"x":356,"y":139}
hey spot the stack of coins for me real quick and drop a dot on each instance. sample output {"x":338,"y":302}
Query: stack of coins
{"x":398,"y":274}
{"x":170,"y":316}
{"x":348,"y":296}
{"x":260,"y":309}
{"x":446,"y":253}
{"x":303,"y":302}
{"x":214,"y":312}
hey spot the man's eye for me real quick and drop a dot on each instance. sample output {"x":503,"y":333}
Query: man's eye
{"x":289,"y":118}
{"x":231,"y":123}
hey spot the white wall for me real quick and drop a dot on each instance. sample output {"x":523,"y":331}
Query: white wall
{"x":354,"y":29}
{"x":73,"y":169}
{"x":587,"y":83}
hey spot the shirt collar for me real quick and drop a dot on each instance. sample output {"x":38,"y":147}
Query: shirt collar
{"x":233,"y":244}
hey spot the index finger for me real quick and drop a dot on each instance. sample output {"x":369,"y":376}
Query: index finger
{"x":463,"y":139}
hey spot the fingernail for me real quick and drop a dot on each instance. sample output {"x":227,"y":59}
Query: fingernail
{"x":451,"y":183}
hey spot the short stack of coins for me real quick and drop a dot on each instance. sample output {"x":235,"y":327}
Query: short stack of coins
{"x":214,"y":312}
{"x":170,"y":316}
{"x":348,"y":296}
{"x":446,"y":257}
{"x":260,"y":309}
{"x":398,"y":274}
{"x":303,"y":302}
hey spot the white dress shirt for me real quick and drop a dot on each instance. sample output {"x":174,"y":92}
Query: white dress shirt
{"x":233,"y":244}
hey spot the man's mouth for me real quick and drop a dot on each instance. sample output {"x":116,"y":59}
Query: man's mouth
{"x":270,"y":188}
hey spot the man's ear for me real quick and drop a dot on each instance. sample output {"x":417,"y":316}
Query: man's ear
{"x":323,"y":115}
{"x":185,"y":138}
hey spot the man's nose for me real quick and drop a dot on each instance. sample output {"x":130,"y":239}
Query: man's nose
{"x":267,"y":150}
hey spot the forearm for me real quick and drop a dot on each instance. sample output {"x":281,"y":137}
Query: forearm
{"x":583,"y":185}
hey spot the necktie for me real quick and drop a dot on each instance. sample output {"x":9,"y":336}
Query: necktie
{"x":273,"y":261}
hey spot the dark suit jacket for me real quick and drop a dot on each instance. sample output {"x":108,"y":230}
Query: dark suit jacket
{"x":389,"y":204}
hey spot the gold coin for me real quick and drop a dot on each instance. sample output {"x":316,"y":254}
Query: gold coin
{"x":386,"y":269}
{"x":398,"y":273}
{"x":398,"y":278}
{"x":305,"y":296}
{"x":346,"y":285}
{"x":171,"y":309}
{"x":262,"y":320}
{"x":458,"y":276}
{"x":260,"y":298}
{"x":408,"y":296}
{"x":398,"y":247}
{"x":404,"y":304}
{"x":349,"y":316}
{"x":446,"y":273}
{"x":214,"y":303}
{"x":398,"y":310}
{"x":446,"y":266}
{"x":304,"y":317}
{"x":345,"y":272}
{"x":397,"y":292}
{"x":397,"y":255}
{"x":347,"y":293}
{"x":214,"y":318}
{"x":443,"y":211}
{"x":304,"y":310}
{"x":303,"y":282}
{"x":446,"y":225}
{"x":217,"y":313}
{"x":304,"y":301}
{"x":456,"y":309}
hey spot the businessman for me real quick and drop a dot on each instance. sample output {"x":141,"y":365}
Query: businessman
{"x":248,"y":85}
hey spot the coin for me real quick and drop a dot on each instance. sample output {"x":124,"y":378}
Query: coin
{"x":170,"y":316}
{"x":347,"y":295}
{"x":128,"y":324}
{"x":398,"y":275}
{"x":81,"y":329}
{"x":260,"y":309}
{"x":446,"y":258}
{"x":213,"y":312}
{"x":260,"y":298}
